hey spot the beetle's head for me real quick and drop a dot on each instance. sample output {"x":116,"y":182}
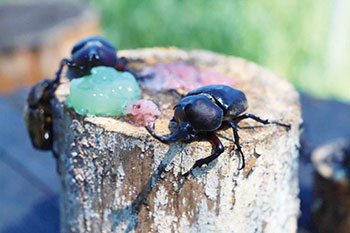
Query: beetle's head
{"x":193,"y":114}
{"x":94,"y":51}
{"x":199,"y":112}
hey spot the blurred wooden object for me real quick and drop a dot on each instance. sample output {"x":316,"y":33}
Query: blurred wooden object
{"x":35,"y":36}
{"x":332,"y":187}
{"x":117,"y":178}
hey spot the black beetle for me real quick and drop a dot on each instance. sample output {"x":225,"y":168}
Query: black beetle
{"x":38,"y":114}
{"x":203,"y":111}
{"x":91,"y":52}
{"x":87,"y":53}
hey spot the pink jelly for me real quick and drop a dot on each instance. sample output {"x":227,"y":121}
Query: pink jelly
{"x":142,"y":112}
{"x":179,"y":75}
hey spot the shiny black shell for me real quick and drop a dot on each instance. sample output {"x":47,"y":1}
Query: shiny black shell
{"x":91,"y":52}
{"x":231,"y":100}
{"x":39,"y":126}
{"x":86,"y":53}
{"x":93,"y":39}
{"x":38,"y":115}
{"x":200,"y":112}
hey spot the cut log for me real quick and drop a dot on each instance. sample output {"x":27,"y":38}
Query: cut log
{"x":117,"y":178}
{"x":35,"y":36}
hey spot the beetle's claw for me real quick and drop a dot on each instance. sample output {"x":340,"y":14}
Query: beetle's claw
{"x":241,"y":163}
{"x":287,"y":126}
{"x":153,"y":134}
{"x":241,"y":167}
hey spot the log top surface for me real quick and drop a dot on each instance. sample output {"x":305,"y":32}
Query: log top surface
{"x":126,"y":176}
{"x":266,"y":93}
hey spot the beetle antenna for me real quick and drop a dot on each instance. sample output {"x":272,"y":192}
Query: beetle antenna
{"x":174,"y":137}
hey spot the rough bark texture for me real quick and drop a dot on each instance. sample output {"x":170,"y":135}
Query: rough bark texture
{"x":117,"y":178}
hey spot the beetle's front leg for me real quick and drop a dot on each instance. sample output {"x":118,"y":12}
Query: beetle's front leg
{"x":122,"y":64}
{"x":219,"y":148}
{"x":64,"y":61}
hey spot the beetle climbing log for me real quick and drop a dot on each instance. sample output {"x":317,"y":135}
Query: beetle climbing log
{"x":86,"y":54}
{"x":117,"y":178}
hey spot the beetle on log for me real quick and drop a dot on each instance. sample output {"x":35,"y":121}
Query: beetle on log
{"x":117,"y":178}
{"x":208,"y":109}
{"x":86,"y":54}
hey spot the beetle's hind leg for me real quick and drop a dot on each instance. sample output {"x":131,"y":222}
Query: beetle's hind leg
{"x":258,"y":119}
{"x":219,"y":148}
{"x":239,"y":147}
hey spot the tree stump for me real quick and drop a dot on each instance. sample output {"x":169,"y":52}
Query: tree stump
{"x":117,"y":178}
{"x":35,"y":36}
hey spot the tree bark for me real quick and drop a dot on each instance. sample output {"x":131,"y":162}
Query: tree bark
{"x":117,"y":178}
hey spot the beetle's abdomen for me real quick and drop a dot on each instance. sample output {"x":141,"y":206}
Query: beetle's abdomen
{"x":38,"y":128}
{"x":202,"y":113}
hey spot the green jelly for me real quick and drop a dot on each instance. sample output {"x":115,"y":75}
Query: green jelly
{"x":104,"y":92}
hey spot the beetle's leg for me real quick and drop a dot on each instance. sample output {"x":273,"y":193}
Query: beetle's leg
{"x":219,"y":148}
{"x":258,"y":119}
{"x":176,"y":92}
{"x":239,"y":147}
{"x":54,"y":84}
{"x":176,"y":136}
{"x":122,"y":64}
{"x":64,"y":61}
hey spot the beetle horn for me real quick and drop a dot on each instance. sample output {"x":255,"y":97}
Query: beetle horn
{"x":174,"y":137}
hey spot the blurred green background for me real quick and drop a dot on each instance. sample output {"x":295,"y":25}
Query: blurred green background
{"x":306,"y":42}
